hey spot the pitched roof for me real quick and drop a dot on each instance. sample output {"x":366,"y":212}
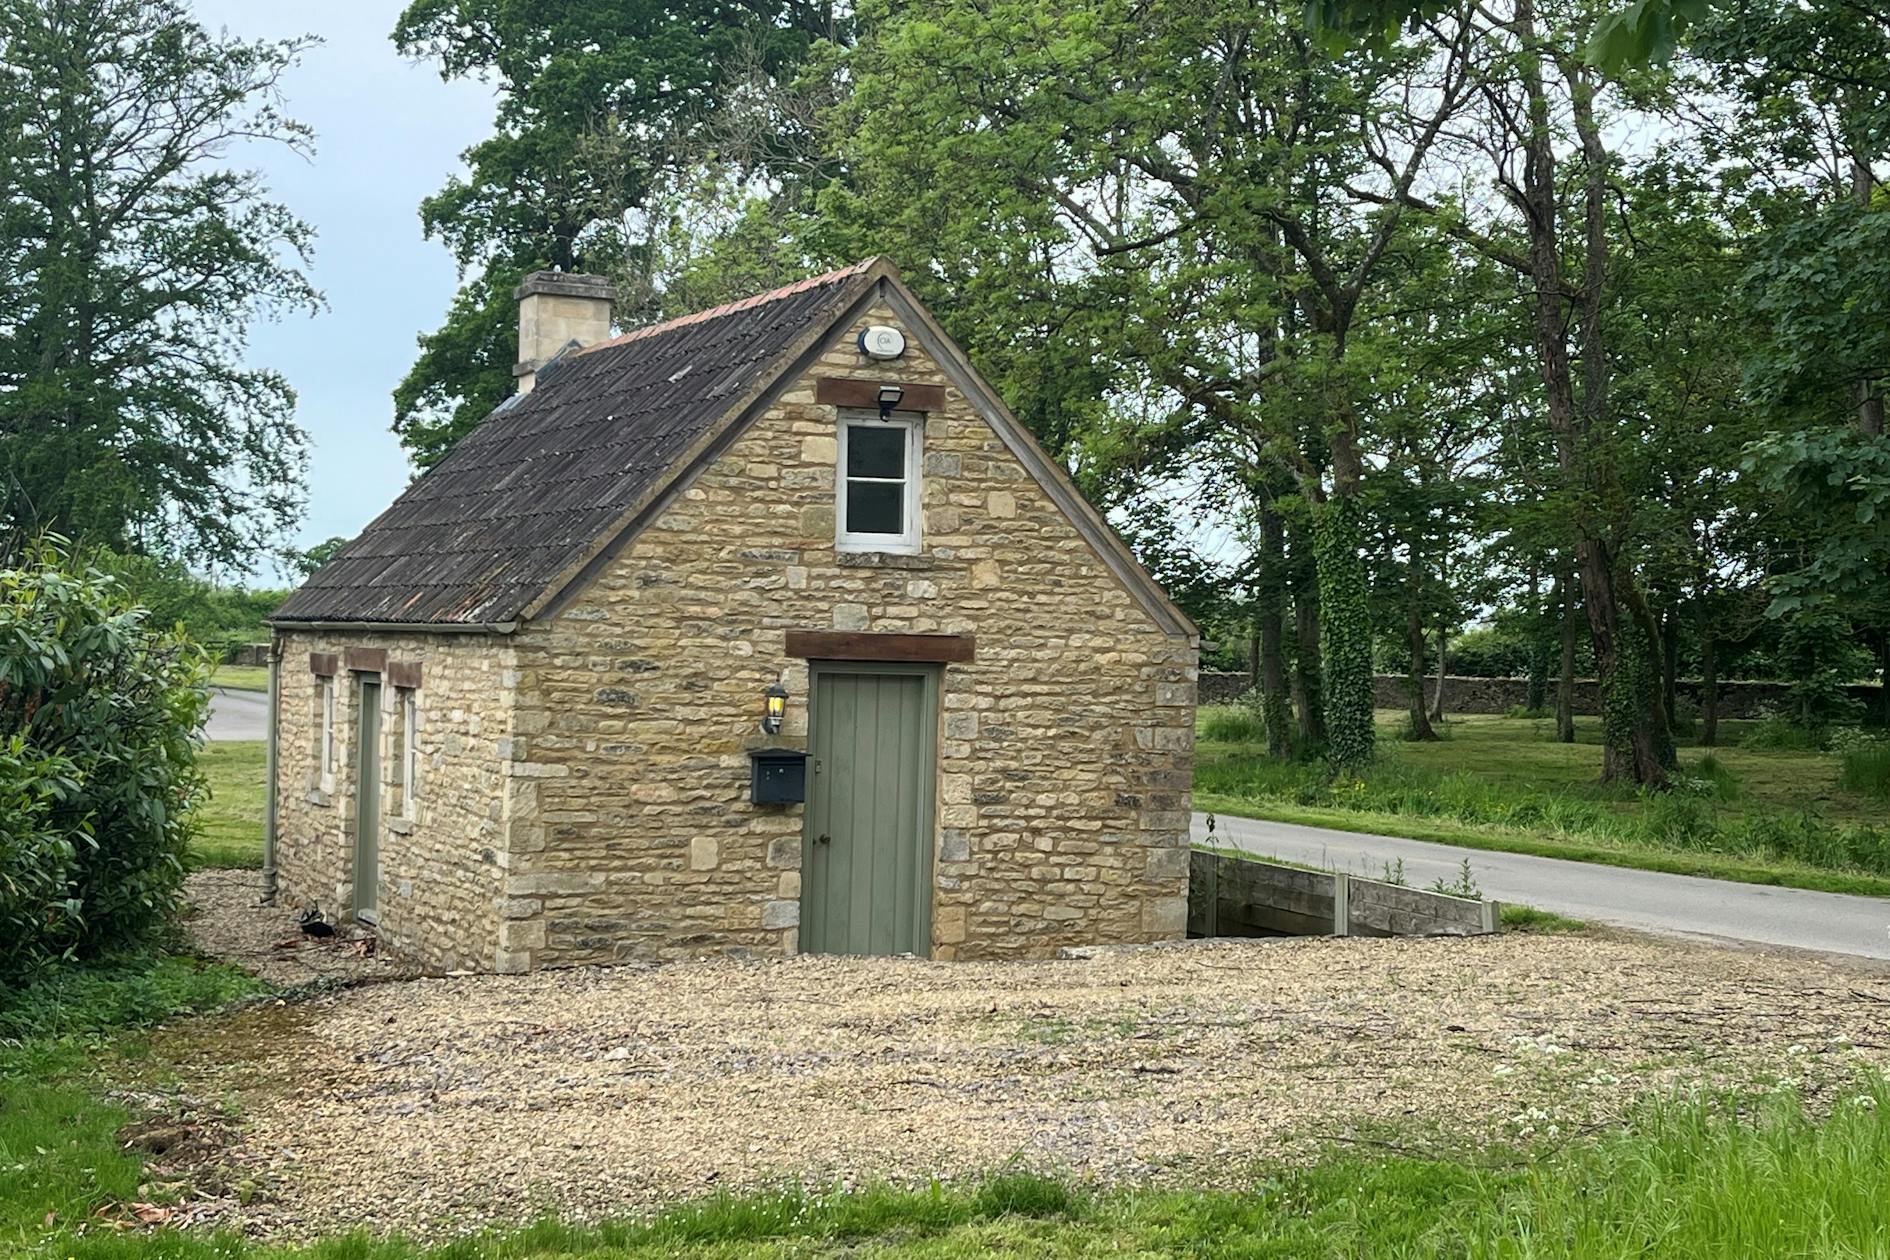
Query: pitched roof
{"x":531,"y":491}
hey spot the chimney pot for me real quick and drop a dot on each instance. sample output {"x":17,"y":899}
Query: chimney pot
{"x":556,"y":308}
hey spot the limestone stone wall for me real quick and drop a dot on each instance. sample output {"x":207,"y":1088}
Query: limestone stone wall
{"x":442,"y":854}
{"x":1065,"y":747}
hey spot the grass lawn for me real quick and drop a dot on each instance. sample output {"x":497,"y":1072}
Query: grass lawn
{"x":241,"y":677}
{"x":1687,"y":1181}
{"x":1705,"y":1177}
{"x":230,"y":823}
{"x":1762,"y":815}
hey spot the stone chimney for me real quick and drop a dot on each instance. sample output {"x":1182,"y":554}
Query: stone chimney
{"x":556,"y":308}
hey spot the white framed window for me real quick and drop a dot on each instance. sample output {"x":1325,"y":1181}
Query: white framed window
{"x":328,"y":735}
{"x":876,"y":483}
{"x":409,"y":749}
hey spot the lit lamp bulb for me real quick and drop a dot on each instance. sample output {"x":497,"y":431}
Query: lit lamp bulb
{"x":776,"y":697}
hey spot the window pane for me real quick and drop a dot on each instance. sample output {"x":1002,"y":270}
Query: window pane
{"x":876,"y":507}
{"x":876,"y":450}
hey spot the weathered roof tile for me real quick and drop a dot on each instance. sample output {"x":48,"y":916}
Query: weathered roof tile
{"x":482,"y":534}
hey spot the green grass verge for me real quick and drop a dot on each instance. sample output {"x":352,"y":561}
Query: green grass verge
{"x":60,"y":1036}
{"x":230,"y":822}
{"x":1762,"y":815}
{"x":241,"y":677}
{"x":1545,"y":922}
{"x":1498,"y":840}
{"x":1686,"y":1182}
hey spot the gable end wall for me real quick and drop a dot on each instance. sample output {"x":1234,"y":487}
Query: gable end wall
{"x":1065,"y":748}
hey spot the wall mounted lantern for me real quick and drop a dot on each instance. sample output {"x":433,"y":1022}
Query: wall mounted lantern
{"x":889,"y":396}
{"x":776,"y":700}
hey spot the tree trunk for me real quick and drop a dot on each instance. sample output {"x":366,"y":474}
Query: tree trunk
{"x":1443,"y":665}
{"x":1565,"y":681}
{"x":1883,"y":677}
{"x":1421,"y":728}
{"x":1709,"y":686}
{"x":1669,"y":663}
{"x":1274,"y":708}
{"x":1631,"y":744}
{"x":1345,"y":603}
{"x":1536,"y":696}
{"x":1308,"y":693}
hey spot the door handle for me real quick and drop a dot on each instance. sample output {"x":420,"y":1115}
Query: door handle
{"x":823,"y":838}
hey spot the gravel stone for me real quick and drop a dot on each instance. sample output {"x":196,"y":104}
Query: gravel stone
{"x":226,"y":919}
{"x":440,"y":1105}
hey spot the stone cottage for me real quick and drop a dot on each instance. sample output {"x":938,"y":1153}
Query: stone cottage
{"x":765,"y":629}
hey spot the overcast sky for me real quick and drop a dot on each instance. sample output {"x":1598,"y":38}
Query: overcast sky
{"x":388,"y":132}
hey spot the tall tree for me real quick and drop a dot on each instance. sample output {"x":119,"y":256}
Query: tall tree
{"x":1183,"y":181}
{"x":1541,"y":131}
{"x":594,"y":102}
{"x":1809,"y":93}
{"x":133,"y":261}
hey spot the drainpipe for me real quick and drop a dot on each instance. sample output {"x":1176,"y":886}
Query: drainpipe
{"x":269,"y":773}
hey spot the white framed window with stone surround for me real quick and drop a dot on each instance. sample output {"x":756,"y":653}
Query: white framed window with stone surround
{"x":876,"y":483}
{"x":327,"y":761}
{"x":409,"y":750}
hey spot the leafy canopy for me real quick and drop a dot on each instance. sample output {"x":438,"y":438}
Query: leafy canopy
{"x":133,"y":260}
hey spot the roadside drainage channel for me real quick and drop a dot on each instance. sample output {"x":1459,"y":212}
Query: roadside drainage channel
{"x":1237,"y":896}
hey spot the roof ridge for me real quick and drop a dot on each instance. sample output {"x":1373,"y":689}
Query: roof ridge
{"x":740,"y":304}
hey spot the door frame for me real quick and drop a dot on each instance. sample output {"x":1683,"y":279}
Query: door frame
{"x":369,"y":777}
{"x":933,"y":677}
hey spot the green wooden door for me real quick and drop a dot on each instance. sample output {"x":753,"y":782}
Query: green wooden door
{"x":367,"y":802}
{"x":866,"y":877}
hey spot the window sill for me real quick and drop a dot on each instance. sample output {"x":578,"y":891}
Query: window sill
{"x":884,"y":560}
{"x":317,"y":796}
{"x":400,"y":826}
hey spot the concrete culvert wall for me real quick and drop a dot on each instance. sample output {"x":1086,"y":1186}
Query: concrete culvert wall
{"x":1235,"y":896}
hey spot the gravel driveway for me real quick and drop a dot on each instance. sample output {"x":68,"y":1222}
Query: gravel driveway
{"x":437,"y":1105}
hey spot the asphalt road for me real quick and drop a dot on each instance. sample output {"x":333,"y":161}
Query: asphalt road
{"x":1647,"y":900}
{"x":237,"y":714}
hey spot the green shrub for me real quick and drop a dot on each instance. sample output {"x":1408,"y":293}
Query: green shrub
{"x":100,"y":717}
{"x":220,"y":619}
{"x":1490,"y":652}
{"x":1232,"y":724}
{"x":1867,"y":769}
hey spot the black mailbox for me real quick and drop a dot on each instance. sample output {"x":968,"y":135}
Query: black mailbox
{"x":778,"y":776}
